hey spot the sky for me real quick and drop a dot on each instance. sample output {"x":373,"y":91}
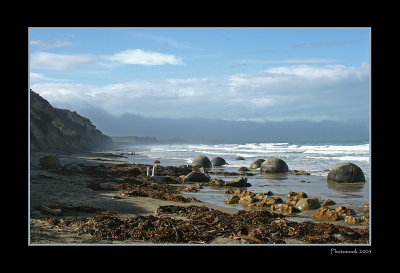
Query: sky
{"x":232,"y":74}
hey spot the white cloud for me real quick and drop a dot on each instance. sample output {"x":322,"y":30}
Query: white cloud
{"x":280,"y":93}
{"x":141,"y":57}
{"x":53,"y":61}
{"x":285,"y":61}
{"x":49,"y":45}
{"x":37,"y":77}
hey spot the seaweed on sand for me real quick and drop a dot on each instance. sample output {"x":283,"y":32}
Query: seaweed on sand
{"x":205,"y":224}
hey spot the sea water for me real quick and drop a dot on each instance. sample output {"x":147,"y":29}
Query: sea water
{"x":315,"y":158}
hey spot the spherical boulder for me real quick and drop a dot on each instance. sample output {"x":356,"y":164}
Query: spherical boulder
{"x":239,"y":158}
{"x":218,"y":161}
{"x":274,"y":165}
{"x":197,"y":177}
{"x":201,"y":161}
{"x":256,"y":164}
{"x":346,"y":173}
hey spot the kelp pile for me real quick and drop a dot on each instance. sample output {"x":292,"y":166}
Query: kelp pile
{"x":157,"y":191}
{"x":135,"y":170}
{"x":204,"y":225}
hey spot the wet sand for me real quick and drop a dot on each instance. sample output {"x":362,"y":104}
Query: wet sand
{"x":48,"y":188}
{"x":68,"y":192}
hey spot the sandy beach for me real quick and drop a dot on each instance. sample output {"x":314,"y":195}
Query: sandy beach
{"x":67,"y":203}
{"x":48,"y":188}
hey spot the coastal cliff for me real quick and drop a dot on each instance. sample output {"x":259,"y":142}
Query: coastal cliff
{"x":61,"y":130}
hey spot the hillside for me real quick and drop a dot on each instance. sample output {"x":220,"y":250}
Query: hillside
{"x":61,"y":130}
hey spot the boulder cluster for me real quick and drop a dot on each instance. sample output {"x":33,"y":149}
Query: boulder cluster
{"x":341,"y":173}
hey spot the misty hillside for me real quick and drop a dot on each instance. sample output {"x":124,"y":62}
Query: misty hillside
{"x":61,"y":130}
{"x":199,"y":130}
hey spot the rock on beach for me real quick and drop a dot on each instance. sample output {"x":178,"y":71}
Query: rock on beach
{"x":274,"y":165}
{"x":218,"y":161}
{"x":256,"y":164}
{"x":201,"y":161}
{"x":346,"y":173}
{"x":237,"y":182}
{"x":50,"y":162}
{"x":197,"y":177}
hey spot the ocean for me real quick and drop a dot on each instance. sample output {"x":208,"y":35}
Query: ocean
{"x":315,"y":158}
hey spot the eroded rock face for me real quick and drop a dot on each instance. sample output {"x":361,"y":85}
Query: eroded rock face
{"x":218,"y":161}
{"x":201,"y":161}
{"x":346,"y":173}
{"x":274,"y":165}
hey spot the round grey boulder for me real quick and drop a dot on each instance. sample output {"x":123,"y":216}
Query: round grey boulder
{"x":196,"y":177}
{"x":239,"y":158}
{"x":256,"y":163}
{"x":274,"y":165}
{"x":201,"y":161}
{"x":218,"y":161}
{"x":346,"y":173}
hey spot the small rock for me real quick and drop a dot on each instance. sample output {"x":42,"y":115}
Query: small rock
{"x":248,"y":199}
{"x":234,"y":199}
{"x":284,"y":208}
{"x":326,"y":214}
{"x":239,"y":192}
{"x":273,"y":200}
{"x":345,"y":211}
{"x":50,"y":162}
{"x":238,"y":182}
{"x":228,"y":190}
{"x":364,"y":219}
{"x":352,"y":220}
{"x":308,"y":203}
{"x":239,"y":158}
{"x":328,"y":202}
{"x":217,"y":182}
{"x":243,"y":169}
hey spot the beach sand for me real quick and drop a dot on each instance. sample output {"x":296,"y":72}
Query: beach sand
{"x":48,"y":188}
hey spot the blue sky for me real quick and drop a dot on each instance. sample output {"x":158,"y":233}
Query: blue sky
{"x":254,"y":74}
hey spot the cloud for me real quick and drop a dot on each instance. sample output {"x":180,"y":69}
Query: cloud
{"x":50,"y":45}
{"x":53,"y":61}
{"x":37,"y":77}
{"x":239,"y":63}
{"x":141,"y":57}
{"x":309,"y":92}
